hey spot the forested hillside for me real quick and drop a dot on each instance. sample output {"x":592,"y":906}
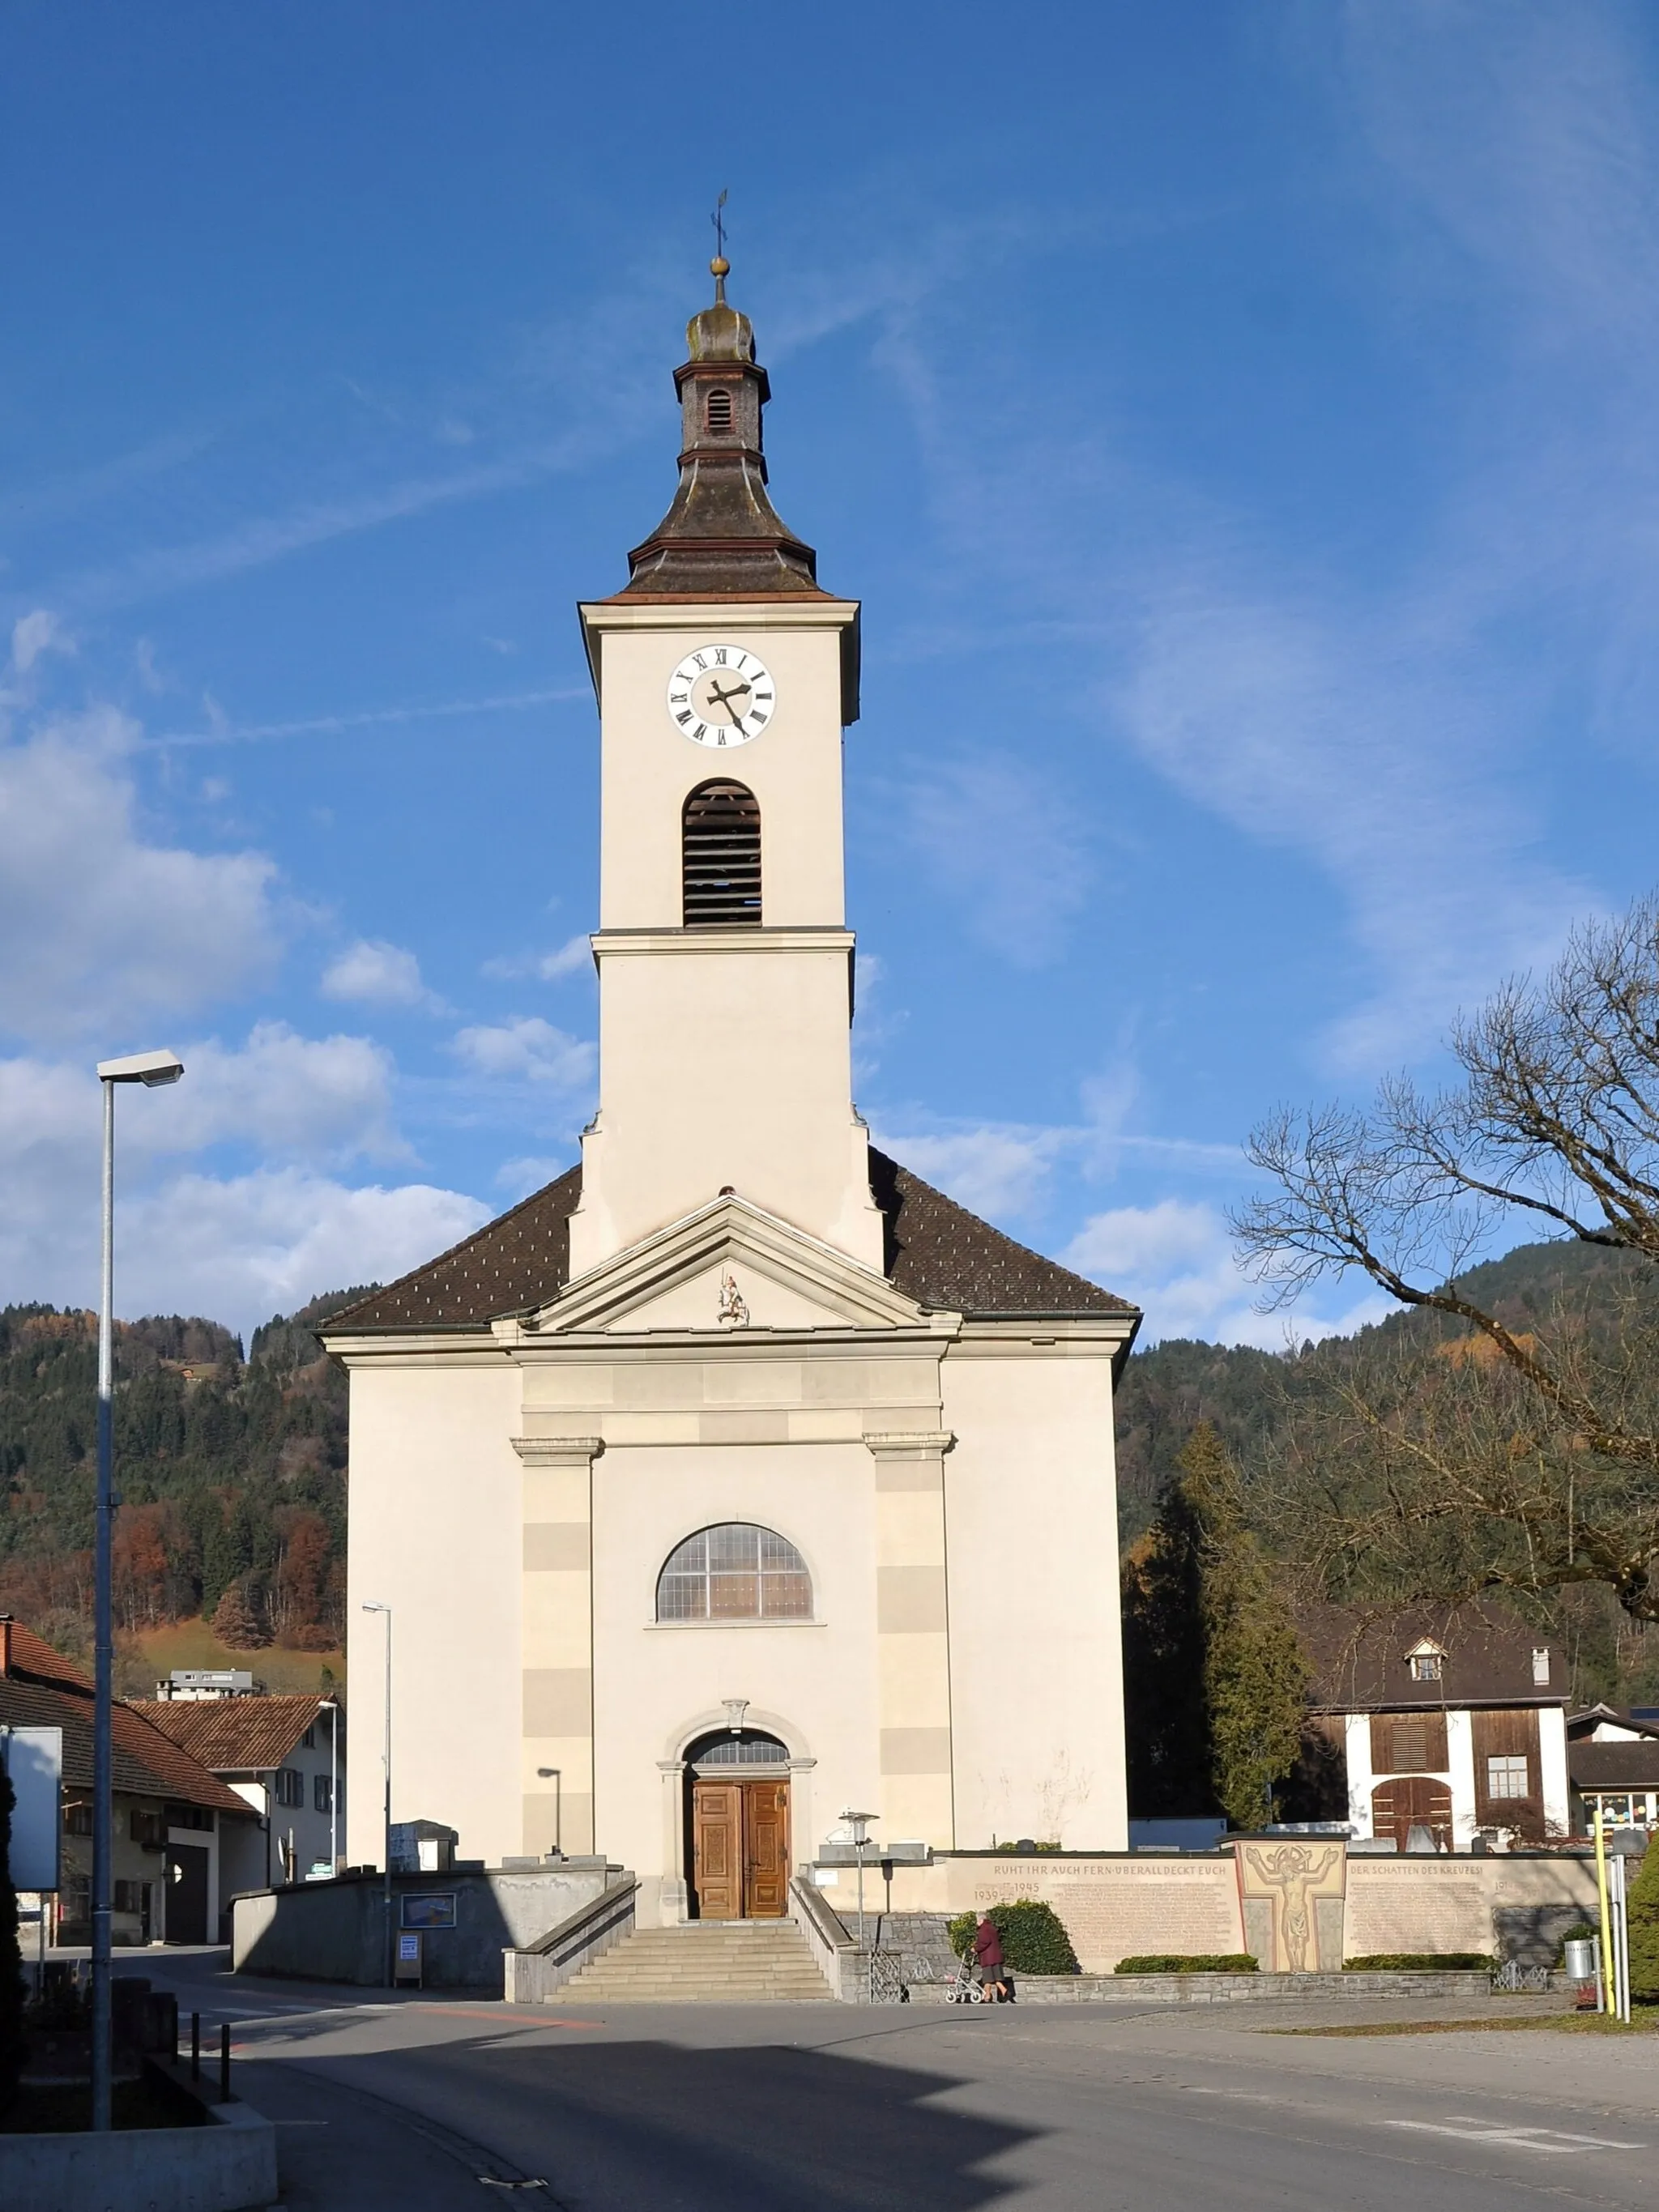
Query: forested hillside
{"x":1169,"y":1389}
{"x":232,"y":1473}
{"x":233,"y":1470}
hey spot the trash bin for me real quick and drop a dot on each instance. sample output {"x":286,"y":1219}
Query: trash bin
{"x":1581,"y":1957}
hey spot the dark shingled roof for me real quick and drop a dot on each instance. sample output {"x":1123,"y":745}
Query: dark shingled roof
{"x":1613,"y":1766}
{"x":937,"y":1253}
{"x":1361,"y":1665}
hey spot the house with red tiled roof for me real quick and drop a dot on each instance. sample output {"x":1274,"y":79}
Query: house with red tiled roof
{"x":179,"y":1831}
{"x":740,"y":1474}
{"x":285,"y":1756}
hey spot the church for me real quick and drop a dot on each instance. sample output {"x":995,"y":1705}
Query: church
{"x":737,"y":1480}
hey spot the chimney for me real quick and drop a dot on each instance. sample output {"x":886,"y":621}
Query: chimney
{"x":5,"y":1644}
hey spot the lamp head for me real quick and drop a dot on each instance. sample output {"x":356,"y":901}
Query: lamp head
{"x":150,"y":1068}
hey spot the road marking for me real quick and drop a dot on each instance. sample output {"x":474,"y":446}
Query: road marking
{"x":1550,"y":2140}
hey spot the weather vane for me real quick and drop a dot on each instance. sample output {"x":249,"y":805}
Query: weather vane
{"x":719,"y":266}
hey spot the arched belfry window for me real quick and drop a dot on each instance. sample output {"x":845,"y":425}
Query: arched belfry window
{"x":736,"y":1571}
{"x":720,"y":842}
{"x":720,"y":411}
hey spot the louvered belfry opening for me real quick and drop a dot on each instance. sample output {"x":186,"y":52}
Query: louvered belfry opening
{"x":721,"y":845}
{"x":720,"y":410}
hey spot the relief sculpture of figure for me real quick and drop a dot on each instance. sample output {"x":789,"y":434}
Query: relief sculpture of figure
{"x":733,"y":1312}
{"x":1293,"y":1870}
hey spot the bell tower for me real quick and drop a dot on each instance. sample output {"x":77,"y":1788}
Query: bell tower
{"x":724,"y":675}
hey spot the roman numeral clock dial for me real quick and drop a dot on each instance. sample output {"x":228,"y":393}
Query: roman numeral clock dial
{"x":721,"y":695}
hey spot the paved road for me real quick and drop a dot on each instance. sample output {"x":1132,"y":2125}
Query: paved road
{"x":412,"y":2103}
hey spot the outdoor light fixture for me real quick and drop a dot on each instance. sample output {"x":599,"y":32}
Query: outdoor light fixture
{"x":555,"y":1775}
{"x":859,"y":1823}
{"x":374,"y":1606}
{"x":150,"y":1068}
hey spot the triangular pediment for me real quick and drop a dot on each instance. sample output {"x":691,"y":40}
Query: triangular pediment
{"x":728,"y":1270}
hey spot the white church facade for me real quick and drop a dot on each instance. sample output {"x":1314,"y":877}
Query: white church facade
{"x":738,"y":1477}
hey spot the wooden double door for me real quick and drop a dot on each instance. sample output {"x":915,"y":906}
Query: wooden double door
{"x":741,"y":1849}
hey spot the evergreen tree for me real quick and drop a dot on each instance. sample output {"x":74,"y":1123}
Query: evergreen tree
{"x":1255,"y":1678}
{"x":1642,"y":1909}
{"x":1215,"y":1683}
{"x":1166,"y":1709}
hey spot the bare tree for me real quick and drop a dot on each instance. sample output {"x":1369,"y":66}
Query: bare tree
{"x":1480,"y":1454}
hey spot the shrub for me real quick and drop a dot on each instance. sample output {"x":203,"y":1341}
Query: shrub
{"x":1421,"y":1962}
{"x":1034,"y":1938}
{"x":1195,"y":1962}
{"x":1642,"y":1914}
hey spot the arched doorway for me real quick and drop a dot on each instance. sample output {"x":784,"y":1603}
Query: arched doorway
{"x":737,"y":1814}
{"x":1412,"y":1800}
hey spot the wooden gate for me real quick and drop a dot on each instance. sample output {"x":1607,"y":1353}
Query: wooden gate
{"x":1412,"y":1800}
{"x":741,"y":1849}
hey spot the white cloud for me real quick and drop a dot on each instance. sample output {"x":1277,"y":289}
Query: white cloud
{"x":314,"y":1098}
{"x":102,"y":930}
{"x":526,"y":1049}
{"x":372,"y":973}
{"x":1176,"y":1260}
{"x":33,"y":634}
{"x":518,"y":1178}
{"x":243,"y":1249}
{"x":570,"y":958}
{"x":997,"y":1170}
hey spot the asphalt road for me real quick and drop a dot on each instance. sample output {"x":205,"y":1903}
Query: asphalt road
{"x":428,"y":2103}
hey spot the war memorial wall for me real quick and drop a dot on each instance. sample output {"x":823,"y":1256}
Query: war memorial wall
{"x":1297,"y":1904}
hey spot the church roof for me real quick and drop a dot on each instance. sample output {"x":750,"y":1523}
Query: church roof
{"x":937,"y":1253}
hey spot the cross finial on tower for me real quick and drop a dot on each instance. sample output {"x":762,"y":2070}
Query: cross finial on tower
{"x":720,"y":268}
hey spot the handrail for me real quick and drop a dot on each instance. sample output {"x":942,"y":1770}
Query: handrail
{"x":617,"y":1886}
{"x":838,"y":1957}
{"x":531,"y":1974}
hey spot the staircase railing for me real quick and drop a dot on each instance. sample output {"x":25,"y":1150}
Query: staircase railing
{"x":837,"y":1957}
{"x":532,"y":1974}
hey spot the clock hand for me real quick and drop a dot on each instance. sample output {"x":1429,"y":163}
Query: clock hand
{"x":726,"y":698}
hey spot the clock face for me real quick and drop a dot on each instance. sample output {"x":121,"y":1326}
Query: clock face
{"x":721,"y":695}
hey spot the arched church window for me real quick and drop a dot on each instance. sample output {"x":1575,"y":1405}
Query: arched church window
{"x":720,"y":411}
{"x":720,"y":842}
{"x":736,"y":1571}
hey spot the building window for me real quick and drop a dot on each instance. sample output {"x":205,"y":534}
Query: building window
{"x":1506,"y":1778}
{"x":78,"y":1820}
{"x":734,"y":1572}
{"x":288,"y":1786}
{"x":148,"y":1830}
{"x":129,"y":1896}
{"x":720,"y":411}
{"x":1426,"y":1666}
{"x":189,"y":1816}
{"x":323,"y":1792}
{"x":308,"y":1741}
{"x":720,"y":848}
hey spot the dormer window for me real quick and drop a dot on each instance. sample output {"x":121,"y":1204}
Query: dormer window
{"x":720,"y":411}
{"x":1427,"y":1662}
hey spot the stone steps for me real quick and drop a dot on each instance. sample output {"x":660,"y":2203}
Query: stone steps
{"x":708,"y":1962}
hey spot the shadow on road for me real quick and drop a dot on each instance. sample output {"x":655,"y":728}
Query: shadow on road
{"x":754,"y":2128}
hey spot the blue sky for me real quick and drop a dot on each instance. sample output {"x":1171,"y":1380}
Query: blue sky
{"x":1236,"y":421}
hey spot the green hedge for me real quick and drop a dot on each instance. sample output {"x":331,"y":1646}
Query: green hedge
{"x":1034,"y":1938}
{"x":1642,"y":1907}
{"x":1195,"y":1962}
{"x":1421,"y":1962}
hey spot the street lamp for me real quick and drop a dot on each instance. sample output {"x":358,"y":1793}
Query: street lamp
{"x":373,"y":1606}
{"x":150,"y":1068}
{"x":859,"y":1823}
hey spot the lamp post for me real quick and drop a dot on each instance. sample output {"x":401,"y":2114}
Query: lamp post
{"x":860,"y":1826}
{"x":150,"y":1068}
{"x":373,"y":1606}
